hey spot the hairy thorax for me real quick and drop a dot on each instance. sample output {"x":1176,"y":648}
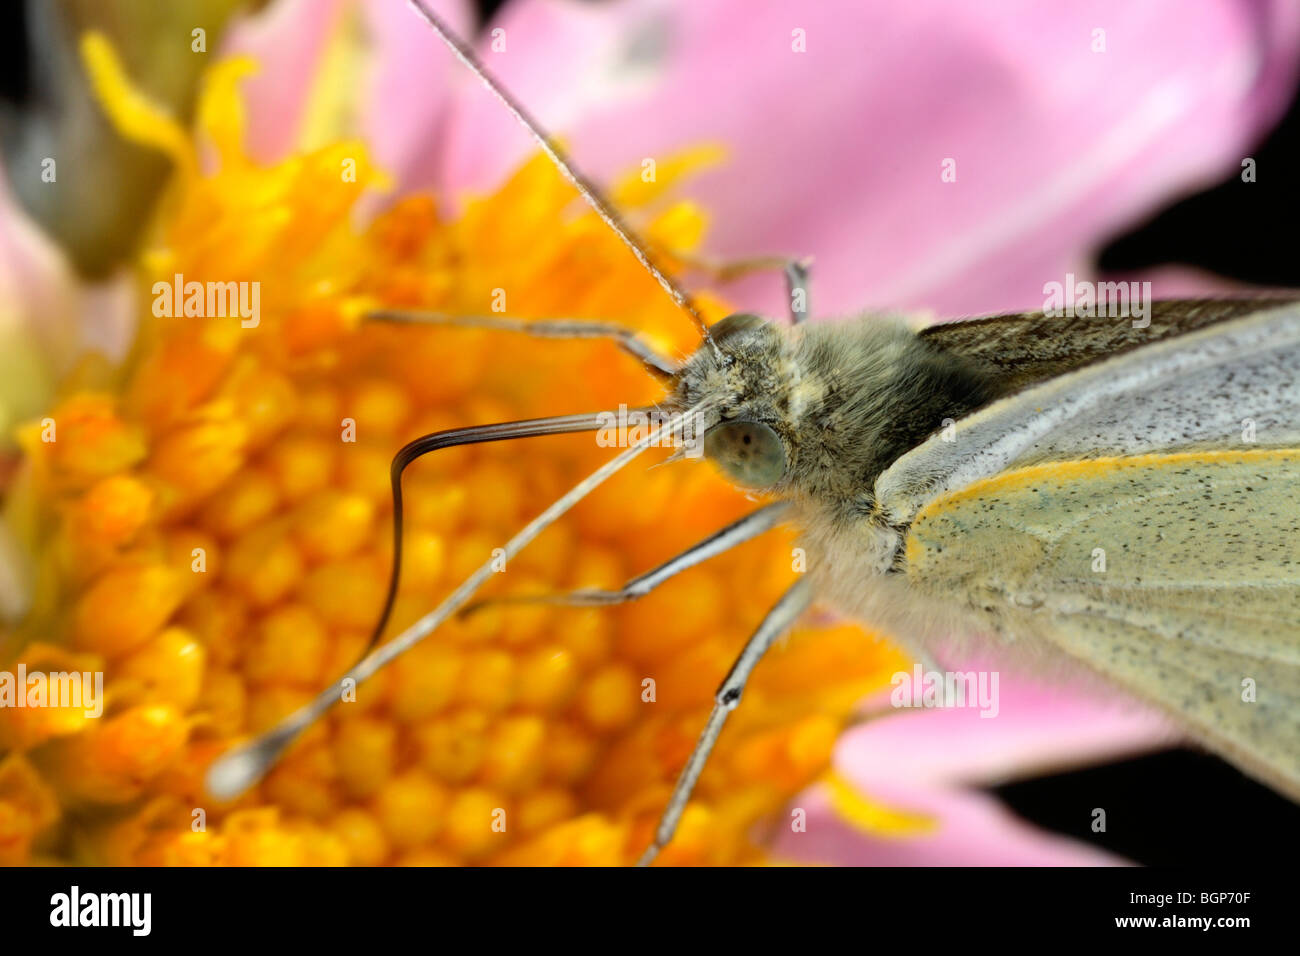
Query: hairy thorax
{"x":846,"y":400}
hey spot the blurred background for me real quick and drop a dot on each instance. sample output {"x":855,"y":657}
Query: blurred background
{"x":1119,"y":160}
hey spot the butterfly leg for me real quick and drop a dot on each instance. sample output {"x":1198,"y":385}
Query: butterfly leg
{"x":796,"y":287}
{"x":778,"y":621}
{"x":627,"y":339}
{"x":738,"y":532}
{"x":796,"y":272}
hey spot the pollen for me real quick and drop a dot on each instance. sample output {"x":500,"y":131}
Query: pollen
{"x":214,"y":535}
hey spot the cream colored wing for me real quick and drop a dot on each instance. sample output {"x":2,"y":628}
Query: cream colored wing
{"x":1175,"y":576}
{"x":1221,"y":387}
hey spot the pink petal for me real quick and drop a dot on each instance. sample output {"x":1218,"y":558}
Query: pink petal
{"x":1037,"y":728}
{"x":1188,"y":282}
{"x":976,"y":831}
{"x":566,"y":63}
{"x":413,"y":80}
{"x":287,"y":39}
{"x":837,"y":151}
{"x":408,"y":81}
{"x":925,"y":761}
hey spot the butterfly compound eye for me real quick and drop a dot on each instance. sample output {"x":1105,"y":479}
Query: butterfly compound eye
{"x":751,"y":453}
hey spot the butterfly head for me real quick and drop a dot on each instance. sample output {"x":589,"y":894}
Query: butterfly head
{"x":746,"y":371}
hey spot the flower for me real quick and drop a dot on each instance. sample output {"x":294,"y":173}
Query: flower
{"x":212,"y":533}
{"x":1066,"y":125}
{"x":841,"y":156}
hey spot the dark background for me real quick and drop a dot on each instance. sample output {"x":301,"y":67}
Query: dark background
{"x":1178,"y":807}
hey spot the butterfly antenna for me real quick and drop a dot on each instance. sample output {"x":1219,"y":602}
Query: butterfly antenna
{"x":681,"y":298}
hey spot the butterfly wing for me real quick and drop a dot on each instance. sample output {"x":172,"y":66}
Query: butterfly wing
{"x":1234,"y":384}
{"x":1175,"y":576}
{"x":1027,"y":348}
